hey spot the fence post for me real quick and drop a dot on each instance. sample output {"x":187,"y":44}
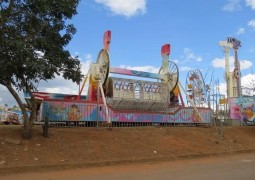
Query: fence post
{"x":45,"y":127}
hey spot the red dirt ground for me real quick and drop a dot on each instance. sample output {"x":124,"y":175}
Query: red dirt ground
{"x":72,"y":146}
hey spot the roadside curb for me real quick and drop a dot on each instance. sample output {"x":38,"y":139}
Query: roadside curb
{"x":55,"y":167}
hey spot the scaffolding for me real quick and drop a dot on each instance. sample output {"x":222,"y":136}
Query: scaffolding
{"x":219,"y":105}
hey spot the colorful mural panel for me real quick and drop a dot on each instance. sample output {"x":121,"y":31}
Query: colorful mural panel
{"x":58,"y":111}
{"x":243,"y":109}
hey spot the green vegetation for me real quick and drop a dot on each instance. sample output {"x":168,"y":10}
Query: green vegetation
{"x":33,"y":36}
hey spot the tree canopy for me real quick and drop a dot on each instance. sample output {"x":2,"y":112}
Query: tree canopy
{"x":33,"y":37}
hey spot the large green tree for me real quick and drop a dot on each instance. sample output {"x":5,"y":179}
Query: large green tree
{"x":33,"y":36}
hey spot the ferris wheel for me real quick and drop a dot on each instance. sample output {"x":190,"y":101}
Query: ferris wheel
{"x":195,"y":89}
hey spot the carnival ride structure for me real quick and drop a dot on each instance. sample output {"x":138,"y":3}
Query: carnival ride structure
{"x":142,"y":97}
{"x":233,"y":79}
{"x":196,"y":89}
{"x":239,"y":105}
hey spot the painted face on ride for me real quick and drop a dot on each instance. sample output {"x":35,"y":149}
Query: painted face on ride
{"x":74,"y":113}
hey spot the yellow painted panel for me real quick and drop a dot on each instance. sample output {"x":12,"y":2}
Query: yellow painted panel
{"x":223,"y":101}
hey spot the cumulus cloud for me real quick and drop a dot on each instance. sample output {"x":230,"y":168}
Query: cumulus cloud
{"x":176,"y":61}
{"x":88,"y":57}
{"x":245,"y":64}
{"x":6,"y":97}
{"x":240,"y":31}
{"x":232,"y":5}
{"x":248,"y":80}
{"x":57,"y":85}
{"x":126,"y":8}
{"x":251,"y":23}
{"x":251,"y":3}
{"x":185,"y":69}
{"x":247,"y":83}
{"x":220,"y":63}
{"x":190,"y":55}
{"x":61,"y":85}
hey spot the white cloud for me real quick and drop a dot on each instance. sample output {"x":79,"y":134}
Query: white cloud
{"x":190,"y":55}
{"x":251,"y":3}
{"x":7,"y":98}
{"x":240,"y":31}
{"x":220,"y":63}
{"x":57,"y":85}
{"x":126,"y":8}
{"x":199,"y":59}
{"x":223,"y":88}
{"x":251,"y":23}
{"x":61,"y":85}
{"x":248,"y":84}
{"x":176,"y":61}
{"x":245,"y":64}
{"x":88,"y":56}
{"x":185,"y":69}
{"x":62,"y":90}
{"x":142,"y":68}
{"x":248,"y":81}
{"x":232,"y":5}
{"x":85,"y":64}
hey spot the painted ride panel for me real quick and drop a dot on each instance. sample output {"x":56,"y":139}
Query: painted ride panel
{"x":242,"y":108}
{"x":62,"y":111}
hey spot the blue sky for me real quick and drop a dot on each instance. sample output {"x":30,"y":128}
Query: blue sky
{"x":140,"y":27}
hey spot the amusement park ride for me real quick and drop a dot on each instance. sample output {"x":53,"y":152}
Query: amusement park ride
{"x":133,"y":100}
{"x":196,"y":89}
{"x":119,"y":100}
{"x":132,"y":94}
{"x":233,"y":79}
{"x":239,"y":106}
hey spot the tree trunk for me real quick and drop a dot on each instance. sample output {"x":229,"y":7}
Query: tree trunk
{"x":28,"y":121}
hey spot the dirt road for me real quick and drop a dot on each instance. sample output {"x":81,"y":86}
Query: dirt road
{"x":83,"y":147}
{"x":239,"y":166}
